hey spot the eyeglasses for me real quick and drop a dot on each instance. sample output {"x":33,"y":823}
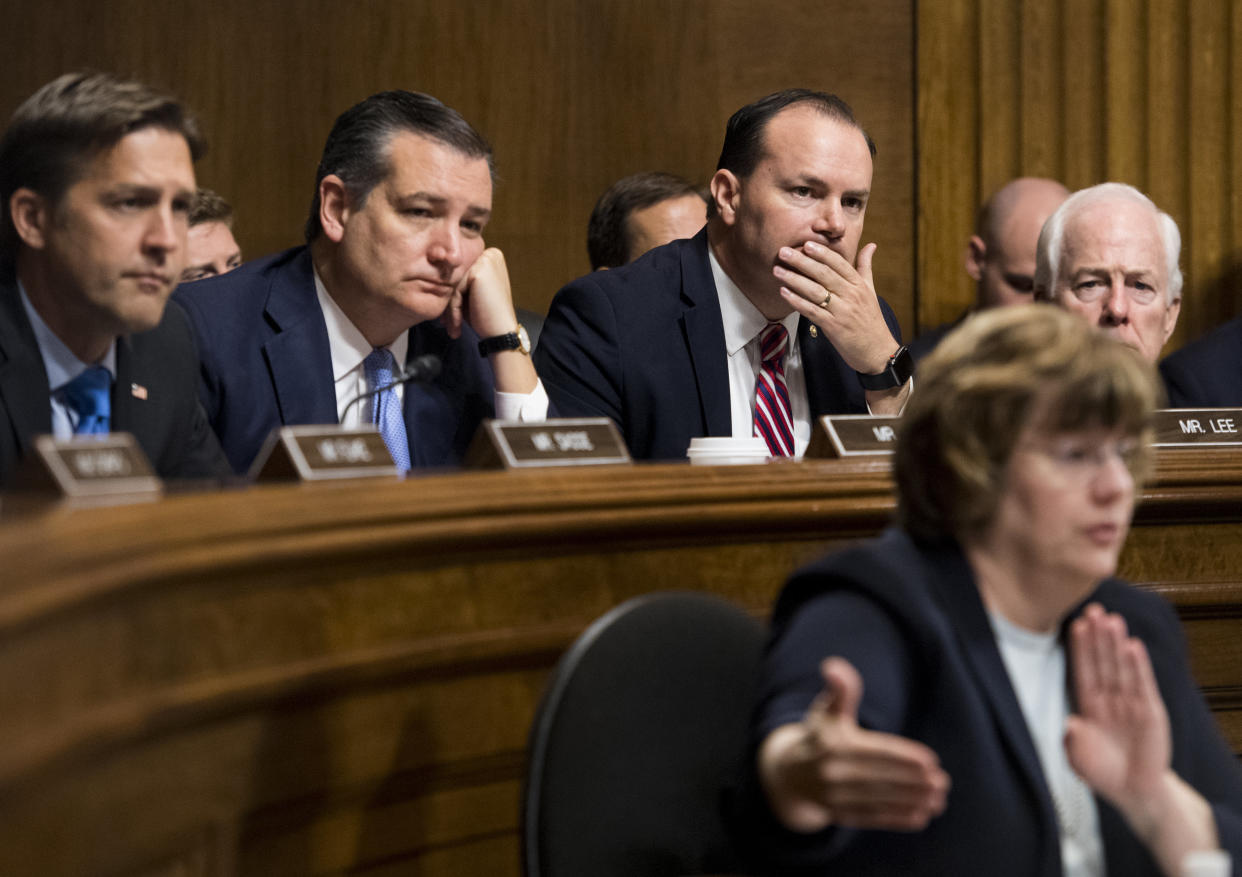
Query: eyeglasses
{"x":1085,"y":456}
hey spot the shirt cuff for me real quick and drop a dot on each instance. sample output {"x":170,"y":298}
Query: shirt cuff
{"x":903,"y":404}
{"x":529,"y":407}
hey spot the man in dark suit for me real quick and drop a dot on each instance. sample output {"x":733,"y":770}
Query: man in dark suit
{"x":395,"y":268}
{"x":1208,"y":372}
{"x":1000,"y":255}
{"x":211,"y":248}
{"x":96,"y":176}
{"x":639,"y":213}
{"x":758,"y":325}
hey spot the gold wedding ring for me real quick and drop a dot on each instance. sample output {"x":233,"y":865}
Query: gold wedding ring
{"x":824,"y":304}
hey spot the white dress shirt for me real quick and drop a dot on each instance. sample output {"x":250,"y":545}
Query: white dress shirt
{"x":742,"y":326}
{"x":349,"y":348}
{"x":1036,"y":666}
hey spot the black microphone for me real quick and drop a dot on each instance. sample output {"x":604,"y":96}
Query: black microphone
{"x":420,"y":369}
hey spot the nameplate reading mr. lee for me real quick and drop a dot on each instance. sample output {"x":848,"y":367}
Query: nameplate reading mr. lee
{"x":1192,"y":427}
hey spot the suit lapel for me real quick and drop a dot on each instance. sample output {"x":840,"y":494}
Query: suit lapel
{"x":299,"y":355}
{"x":125,"y":411}
{"x":703,"y":330}
{"x":426,"y":407}
{"x":820,"y":369}
{"x":414,"y":437}
{"x":23,"y":379}
{"x":963,"y":605}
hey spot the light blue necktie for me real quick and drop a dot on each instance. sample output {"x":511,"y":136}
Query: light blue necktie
{"x":386,"y":407}
{"x":90,"y":396}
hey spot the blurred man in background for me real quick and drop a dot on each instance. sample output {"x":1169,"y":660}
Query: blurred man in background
{"x":212,"y":248}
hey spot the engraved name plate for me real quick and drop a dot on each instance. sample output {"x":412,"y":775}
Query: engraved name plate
{"x":585,"y":441}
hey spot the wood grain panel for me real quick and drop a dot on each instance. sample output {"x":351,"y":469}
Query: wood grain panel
{"x":1042,"y":120}
{"x":1206,"y":229}
{"x":1125,"y":89}
{"x":1168,"y":63}
{"x":948,"y":183}
{"x":1000,"y":89}
{"x":1082,"y":73}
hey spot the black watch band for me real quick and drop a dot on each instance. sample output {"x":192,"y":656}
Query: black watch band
{"x":900,"y":368}
{"x":498,"y":343}
{"x":515,"y":340}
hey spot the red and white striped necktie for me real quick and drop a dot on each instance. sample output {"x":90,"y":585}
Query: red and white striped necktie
{"x":773,"y":416}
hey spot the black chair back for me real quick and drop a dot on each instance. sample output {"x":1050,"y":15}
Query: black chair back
{"x":642,"y":730}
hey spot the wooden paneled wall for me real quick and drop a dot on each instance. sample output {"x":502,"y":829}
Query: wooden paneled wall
{"x":1147,"y":92}
{"x":573,"y":94}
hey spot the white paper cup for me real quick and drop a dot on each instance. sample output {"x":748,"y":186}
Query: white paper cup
{"x":727,"y":451}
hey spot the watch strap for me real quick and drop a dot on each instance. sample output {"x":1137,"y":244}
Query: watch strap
{"x":499,"y":343}
{"x":515,"y":340}
{"x":900,"y":368}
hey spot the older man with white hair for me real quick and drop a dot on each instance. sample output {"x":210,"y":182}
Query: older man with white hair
{"x":1110,"y":255}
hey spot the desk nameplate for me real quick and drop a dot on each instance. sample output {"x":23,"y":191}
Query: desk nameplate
{"x":1197,"y":427}
{"x":323,"y":453}
{"x":853,"y":435}
{"x":83,"y":471}
{"x":97,"y":466}
{"x":511,"y":444}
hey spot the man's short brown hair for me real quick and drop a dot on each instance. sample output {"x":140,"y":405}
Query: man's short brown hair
{"x":1002,"y":371}
{"x":208,"y":206}
{"x":65,"y":124}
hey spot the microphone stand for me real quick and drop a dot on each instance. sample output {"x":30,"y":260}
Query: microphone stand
{"x":423,"y":368}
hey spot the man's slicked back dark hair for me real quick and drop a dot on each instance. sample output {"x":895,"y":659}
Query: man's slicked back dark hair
{"x":357,"y":146}
{"x":743,"y":143}
{"x":65,"y":124}
{"x":608,"y":236}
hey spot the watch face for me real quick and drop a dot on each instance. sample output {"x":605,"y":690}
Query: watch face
{"x":899,"y":369}
{"x":903,"y":365}
{"x":523,"y":339}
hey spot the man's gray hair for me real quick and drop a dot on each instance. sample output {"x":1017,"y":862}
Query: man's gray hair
{"x":1051,"y":237}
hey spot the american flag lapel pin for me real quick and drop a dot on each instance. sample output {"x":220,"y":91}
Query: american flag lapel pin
{"x":138,"y":391}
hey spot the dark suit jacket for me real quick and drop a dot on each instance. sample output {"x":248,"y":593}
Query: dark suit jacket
{"x":1207,"y":373}
{"x":266,"y":362}
{"x":169,"y":424}
{"x":644,"y":344}
{"x":911,"y":621}
{"x":926,"y":343}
